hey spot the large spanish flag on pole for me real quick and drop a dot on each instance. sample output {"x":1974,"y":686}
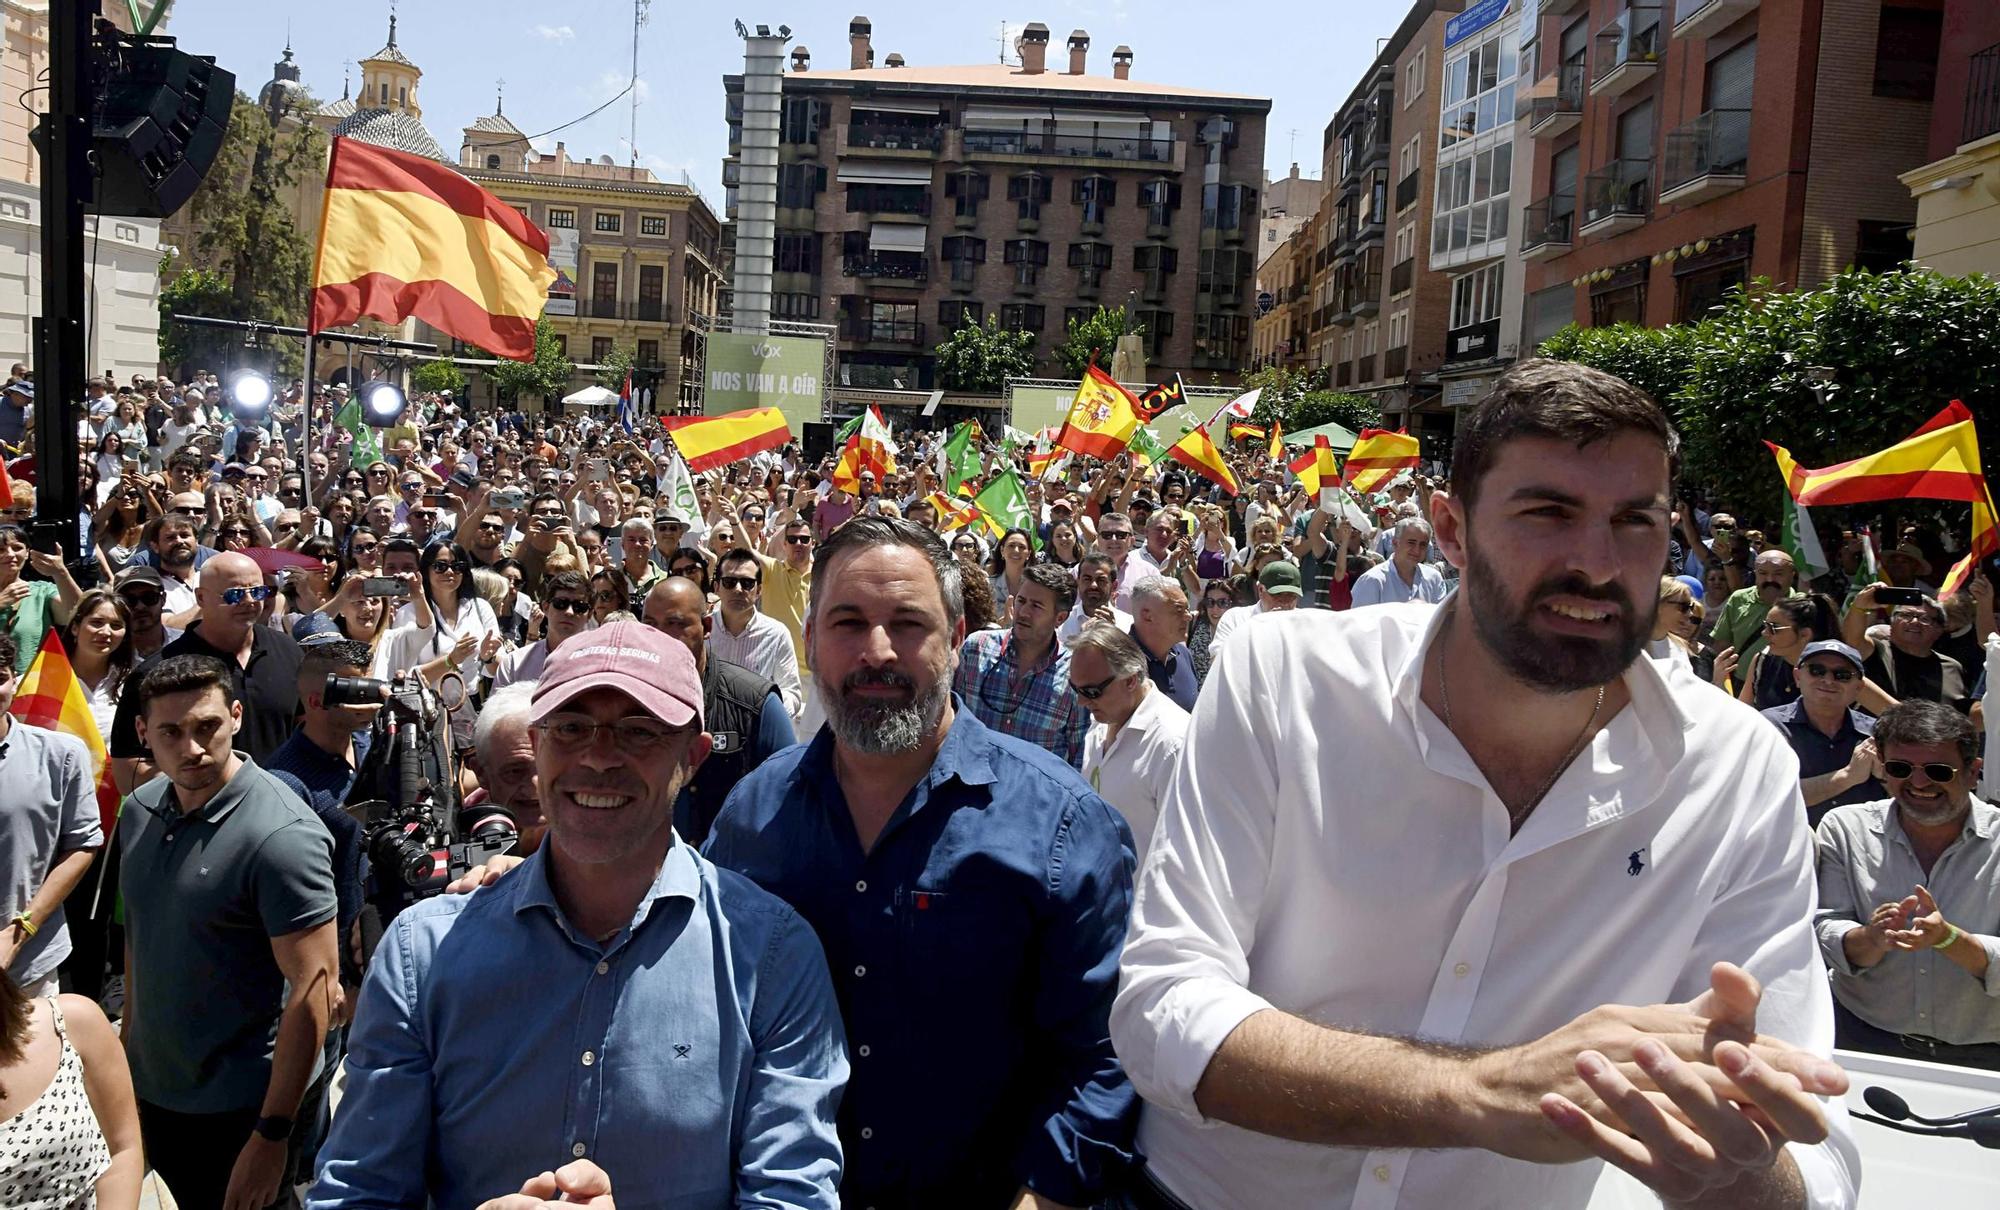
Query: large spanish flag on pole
{"x":1940,"y":461}
{"x":711,"y":441}
{"x":1102,"y":417}
{"x":402,"y":236}
{"x":50,"y":697}
{"x":1376,"y":458}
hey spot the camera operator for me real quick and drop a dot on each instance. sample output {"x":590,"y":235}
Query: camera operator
{"x":503,"y":754}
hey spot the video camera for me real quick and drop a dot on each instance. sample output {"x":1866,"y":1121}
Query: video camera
{"x":417,"y":833}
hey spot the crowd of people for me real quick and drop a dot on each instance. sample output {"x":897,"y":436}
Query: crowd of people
{"x":871,"y":858}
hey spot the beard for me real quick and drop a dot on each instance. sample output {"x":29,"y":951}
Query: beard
{"x":1552,"y":663}
{"x":883,"y":728}
{"x":1932,"y":813}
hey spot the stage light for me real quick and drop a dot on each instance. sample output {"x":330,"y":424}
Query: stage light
{"x":382,"y":404}
{"x":249,"y":395}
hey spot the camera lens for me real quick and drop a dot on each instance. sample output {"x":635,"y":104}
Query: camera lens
{"x":354,"y":690}
{"x":405,"y":854}
{"x":487,"y":823}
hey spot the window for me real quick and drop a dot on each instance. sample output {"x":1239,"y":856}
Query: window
{"x":799,"y":183}
{"x":402,"y":97}
{"x":1399,"y":329}
{"x":965,"y":248}
{"x":1478,"y":88}
{"x":600,"y":349}
{"x":1090,"y":256}
{"x":1406,"y":242}
{"x":798,"y":253}
{"x":1077,"y":316}
{"x":492,"y":162}
{"x":608,"y":221}
{"x":1906,"y":50}
{"x":955,"y":313}
{"x":1413,"y":76}
{"x":1882,"y":246}
{"x":1096,"y":194}
{"x":1022,"y":317}
{"x":1151,"y":258}
{"x":1475,"y":297}
{"x":1472,"y":197}
{"x":799,"y":121}
{"x":1026,"y":252}
{"x":652,"y":289}
{"x":1227,"y":207}
{"x":795,"y":306}
{"x":562,"y":218}
{"x":1157,"y":327}
{"x":652,"y":224}
{"x":649,"y":353}
{"x":562,"y":345}
{"x":1371,"y":334}
{"x":1410,"y":157}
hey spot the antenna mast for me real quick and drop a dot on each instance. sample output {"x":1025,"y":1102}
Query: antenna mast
{"x":639,"y":8}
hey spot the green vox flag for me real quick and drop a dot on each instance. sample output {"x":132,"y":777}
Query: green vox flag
{"x":1004,"y":505}
{"x":1802,"y":541}
{"x":367,"y":441}
{"x":1146,"y":447}
{"x":960,"y":460}
{"x":848,"y":430}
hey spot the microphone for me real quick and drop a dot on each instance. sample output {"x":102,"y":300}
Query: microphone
{"x":1889,"y":1105}
{"x":1982,"y":1126}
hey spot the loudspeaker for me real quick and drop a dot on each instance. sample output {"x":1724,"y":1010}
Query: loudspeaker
{"x":158,"y":128}
{"x":818,"y":440}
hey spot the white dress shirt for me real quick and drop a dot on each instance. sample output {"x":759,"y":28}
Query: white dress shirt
{"x":1382,"y":584}
{"x":765,"y":648}
{"x":1139,"y":563}
{"x":1133,"y":771}
{"x":1329,"y":849}
{"x":1073,"y":625}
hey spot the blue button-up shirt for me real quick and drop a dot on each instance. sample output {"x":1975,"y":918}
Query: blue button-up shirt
{"x":696,"y":1056}
{"x":1034,"y":704}
{"x":975,"y":951}
{"x":1173,"y":675}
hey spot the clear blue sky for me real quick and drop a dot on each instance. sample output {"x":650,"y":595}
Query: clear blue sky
{"x":562,"y":60}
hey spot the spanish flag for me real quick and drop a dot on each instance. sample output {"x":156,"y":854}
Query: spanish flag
{"x":1196,"y":452}
{"x":1376,"y":457}
{"x":953,"y":513}
{"x":402,"y":235}
{"x":870,"y":449}
{"x":1277,"y":449}
{"x":707,"y":442}
{"x":1246,"y":432}
{"x":1102,"y":417}
{"x":1940,"y":461}
{"x":1315,"y":467}
{"x":50,"y":697}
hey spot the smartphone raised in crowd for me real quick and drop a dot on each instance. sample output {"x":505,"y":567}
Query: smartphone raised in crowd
{"x":1889,"y":597}
{"x":384,"y":586}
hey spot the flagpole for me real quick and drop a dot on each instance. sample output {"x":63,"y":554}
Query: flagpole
{"x":306,"y":430}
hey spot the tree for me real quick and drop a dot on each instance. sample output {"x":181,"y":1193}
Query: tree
{"x":1298,"y":400}
{"x":245,"y":231}
{"x":547,"y":375}
{"x":195,"y":292}
{"x":613,"y":369}
{"x":438,"y":375}
{"x":1653,"y":359}
{"x":981,"y":359}
{"x":1095,"y":338}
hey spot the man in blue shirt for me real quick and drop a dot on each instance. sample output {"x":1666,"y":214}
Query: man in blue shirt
{"x":619,"y":1000}
{"x":1160,"y":626}
{"x":1834,"y":741}
{"x":971,"y":892}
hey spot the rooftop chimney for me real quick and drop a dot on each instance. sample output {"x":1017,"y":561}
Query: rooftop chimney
{"x":801,"y":59}
{"x":1079,"y":46}
{"x":1034,"y":49}
{"x":860,"y":53}
{"x":894,"y":60}
{"x":1121,"y":63}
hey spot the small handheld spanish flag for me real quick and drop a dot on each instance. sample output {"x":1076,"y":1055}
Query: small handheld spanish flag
{"x":1376,"y":458}
{"x":1196,"y":452}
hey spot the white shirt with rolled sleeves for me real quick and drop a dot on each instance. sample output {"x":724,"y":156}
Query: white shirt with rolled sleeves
{"x":1329,"y":849}
{"x":1134,"y":770}
{"x":765,"y":648}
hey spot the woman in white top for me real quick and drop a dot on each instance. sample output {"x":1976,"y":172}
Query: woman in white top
{"x":99,"y":652}
{"x":1010,"y":570}
{"x":446,"y":627}
{"x":69,"y":1124}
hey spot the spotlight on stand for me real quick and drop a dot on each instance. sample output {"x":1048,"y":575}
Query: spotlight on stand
{"x":382,"y":404}
{"x":249,"y":394}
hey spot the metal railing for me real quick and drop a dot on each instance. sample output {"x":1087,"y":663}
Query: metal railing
{"x":1402,"y":274}
{"x":1716,"y":143}
{"x":1364,"y":368}
{"x":609,"y":308}
{"x":900,"y":266}
{"x":1632,"y":37}
{"x":1079,"y":146}
{"x":1622,"y":187}
{"x":1982,"y":95}
{"x":1547,"y":221}
{"x":1396,"y":362}
{"x":895,"y":138}
{"x":1538,"y":105}
{"x":888,"y":199}
{"x":1406,"y":189}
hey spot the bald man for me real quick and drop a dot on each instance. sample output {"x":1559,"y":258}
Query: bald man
{"x":743,"y":711}
{"x":1742,"y":621}
{"x":265,"y":662}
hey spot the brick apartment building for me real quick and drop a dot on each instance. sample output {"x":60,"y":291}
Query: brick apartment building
{"x":912,"y":199}
{"x":1958,"y":191}
{"x":1682,"y":147}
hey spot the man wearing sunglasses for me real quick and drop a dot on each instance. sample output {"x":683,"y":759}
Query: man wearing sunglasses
{"x":1908,"y":663}
{"x":263,"y":662}
{"x":743,"y":634}
{"x":565,"y":603}
{"x":145,"y":596}
{"x":1131,"y":750}
{"x":1831,"y":737}
{"x":1909,"y":897}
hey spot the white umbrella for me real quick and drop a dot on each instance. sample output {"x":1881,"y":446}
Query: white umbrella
{"x":592,"y":397}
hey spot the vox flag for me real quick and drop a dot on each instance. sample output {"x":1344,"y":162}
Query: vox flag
{"x":402,"y":236}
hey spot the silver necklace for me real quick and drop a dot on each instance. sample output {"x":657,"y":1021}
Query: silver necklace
{"x":1514,"y":818}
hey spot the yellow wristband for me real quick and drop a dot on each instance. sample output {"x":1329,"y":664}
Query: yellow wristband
{"x":27,"y":923}
{"x":1950,"y":938}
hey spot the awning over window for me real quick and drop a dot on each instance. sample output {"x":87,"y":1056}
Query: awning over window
{"x":885,"y":172}
{"x":897,"y":107}
{"x":1001,"y":117}
{"x":1103,"y":117}
{"x":895,"y":237}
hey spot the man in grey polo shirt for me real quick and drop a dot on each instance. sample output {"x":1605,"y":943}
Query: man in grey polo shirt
{"x":49,"y":835}
{"x":231,"y":966}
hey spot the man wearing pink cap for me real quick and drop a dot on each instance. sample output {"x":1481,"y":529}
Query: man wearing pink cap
{"x":618,"y":999}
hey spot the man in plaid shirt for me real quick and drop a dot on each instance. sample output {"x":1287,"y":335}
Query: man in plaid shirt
{"x":1016,"y":681}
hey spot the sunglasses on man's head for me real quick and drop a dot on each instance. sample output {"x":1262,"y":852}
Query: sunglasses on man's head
{"x":1942,"y":774}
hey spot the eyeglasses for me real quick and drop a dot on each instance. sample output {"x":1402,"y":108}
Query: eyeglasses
{"x":605,"y":594}
{"x":1217,"y":603}
{"x":753,"y":516}
{"x":570,"y":605}
{"x":1774,"y":628}
{"x":1115,"y":535}
{"x":633,"y":736}
{"x":143,"y":600}
{"x":1842,"y":675}
{"x":1685,"y":606}
{"x":448,"y":568}
{"x":1091,"y":693}
{"x":740,"y":583}
{"x":413,"y":487}
{"x":1942,"y":774}
{"x":236,"y":531}
{"x":236,"y":596}
{"x":806,"y":540}
{"x":1913,"y":617}
{"x":489,"y":528}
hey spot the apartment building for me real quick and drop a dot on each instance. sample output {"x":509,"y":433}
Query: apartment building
{"x":1958,"y":191}
{"x":912,"y":199}
{"x":1684,"y":147}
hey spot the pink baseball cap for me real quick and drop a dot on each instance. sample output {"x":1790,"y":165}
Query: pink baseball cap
{"x":638,"y":661}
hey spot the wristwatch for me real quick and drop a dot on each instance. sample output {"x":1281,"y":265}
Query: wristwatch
{"x":277,"y":1130}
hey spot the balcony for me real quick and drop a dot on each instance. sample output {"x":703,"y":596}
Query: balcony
{"x":1396,"y":362}
{"x":888,"y":199}
{"x":1617,"y":197}
{"x":1159,"y":220}
{"x":1545,"y":227}
{"x":1555,"y":104}
{"x":1706,"y":158}
{"x":1474,"y":342}
{"x":1027,"y":278}
{"x":1982,"y":96}
{"x":1707,"y":18}
{"x":880,"y":137}
{"x":1365,"y":295}
{"x":1556,"y":8}
{"x":1343,"y":374}
{"x":1402,"y":275}
{"x":1069,"y":146}
{"x":963,"y":274}
{"x":1364,"y":369}
{"x":1628,"y":52}
{"x":1028,"y":215}
{"x":891,"y":266}
{"x":1153,"y":286}
{"x":863,"y":329}
{"x":1090,"y":281}
{"x":637,"y":312}
{"x":1406,"y":189}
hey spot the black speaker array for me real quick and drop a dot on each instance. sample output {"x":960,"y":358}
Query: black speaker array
{"x":818,"y":440}
{"x":158,"y":128}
